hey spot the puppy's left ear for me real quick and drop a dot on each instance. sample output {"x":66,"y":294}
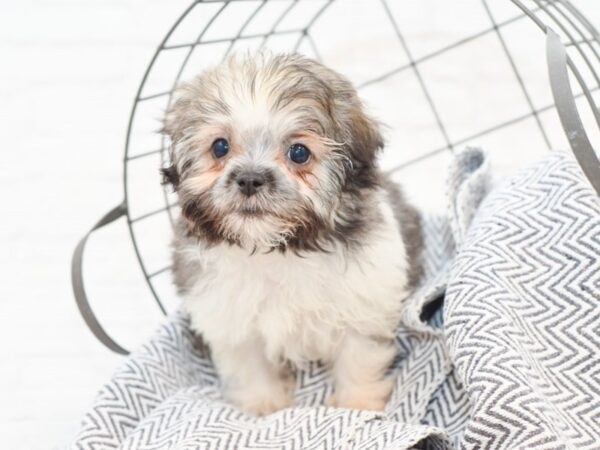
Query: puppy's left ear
{"x":365,"y":143}
{"x":367,"y":140}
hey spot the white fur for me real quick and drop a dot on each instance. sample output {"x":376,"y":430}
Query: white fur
{"x":257,"y":310}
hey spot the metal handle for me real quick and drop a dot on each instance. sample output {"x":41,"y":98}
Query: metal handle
{"x":77,"y":282}
{"x":558,"y":62}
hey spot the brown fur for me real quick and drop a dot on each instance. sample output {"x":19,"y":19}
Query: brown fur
{"x":409,"y":221}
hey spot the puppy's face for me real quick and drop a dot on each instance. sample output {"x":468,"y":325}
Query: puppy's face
{"x":271,"y":152}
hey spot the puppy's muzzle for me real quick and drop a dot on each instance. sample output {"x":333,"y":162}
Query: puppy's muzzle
{"x":250,"y":183}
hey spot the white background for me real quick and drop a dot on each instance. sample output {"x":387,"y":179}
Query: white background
{"x":69,"y":70}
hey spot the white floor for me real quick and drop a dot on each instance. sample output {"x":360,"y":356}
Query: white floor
{"x":69,"y":70}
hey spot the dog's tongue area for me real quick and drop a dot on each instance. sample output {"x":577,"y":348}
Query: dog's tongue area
{"x":251,"y":210}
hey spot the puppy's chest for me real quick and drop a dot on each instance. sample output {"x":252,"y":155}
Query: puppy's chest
{"x":299,"y":307}
{"x":287,"y":302}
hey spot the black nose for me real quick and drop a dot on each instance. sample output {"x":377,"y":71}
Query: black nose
{"x":250,"y":182}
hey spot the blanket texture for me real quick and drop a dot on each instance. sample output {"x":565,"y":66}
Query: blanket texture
{"x":512,"y":360}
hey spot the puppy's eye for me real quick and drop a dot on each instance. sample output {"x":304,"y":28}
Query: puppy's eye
{"x":220,"y":147}
{"x":299,"y":153}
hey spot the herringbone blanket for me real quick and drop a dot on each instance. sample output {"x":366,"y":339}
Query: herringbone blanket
{"x":511,"y":361}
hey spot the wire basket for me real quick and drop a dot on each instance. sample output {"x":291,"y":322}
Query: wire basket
{"x":417,"y":65}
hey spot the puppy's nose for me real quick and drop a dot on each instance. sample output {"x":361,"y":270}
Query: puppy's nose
{"x":250,"y":182}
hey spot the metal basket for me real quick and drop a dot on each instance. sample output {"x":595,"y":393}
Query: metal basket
{"x":415,"y":64}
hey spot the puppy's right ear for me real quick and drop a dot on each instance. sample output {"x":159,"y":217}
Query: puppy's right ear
{"x":170,"y":176}
{"x":171,"y":130}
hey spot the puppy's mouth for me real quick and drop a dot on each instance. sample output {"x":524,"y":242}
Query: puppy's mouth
{"x":252,"y":211}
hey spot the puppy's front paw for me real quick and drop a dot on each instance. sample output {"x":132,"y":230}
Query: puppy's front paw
{"x":371,"y":397}
{"x":250,"y":380}
{"x":263,"y":401}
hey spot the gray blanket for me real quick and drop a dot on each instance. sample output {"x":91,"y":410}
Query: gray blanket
{"x":512,"y":360}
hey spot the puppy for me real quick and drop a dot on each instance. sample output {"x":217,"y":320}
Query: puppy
{"x":292,"y":246}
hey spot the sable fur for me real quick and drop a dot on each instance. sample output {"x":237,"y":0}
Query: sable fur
{"x":410,"y":227}
{"x":315,"y":265}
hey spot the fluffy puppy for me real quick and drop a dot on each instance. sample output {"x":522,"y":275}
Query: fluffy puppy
{"x":292,"y":246}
